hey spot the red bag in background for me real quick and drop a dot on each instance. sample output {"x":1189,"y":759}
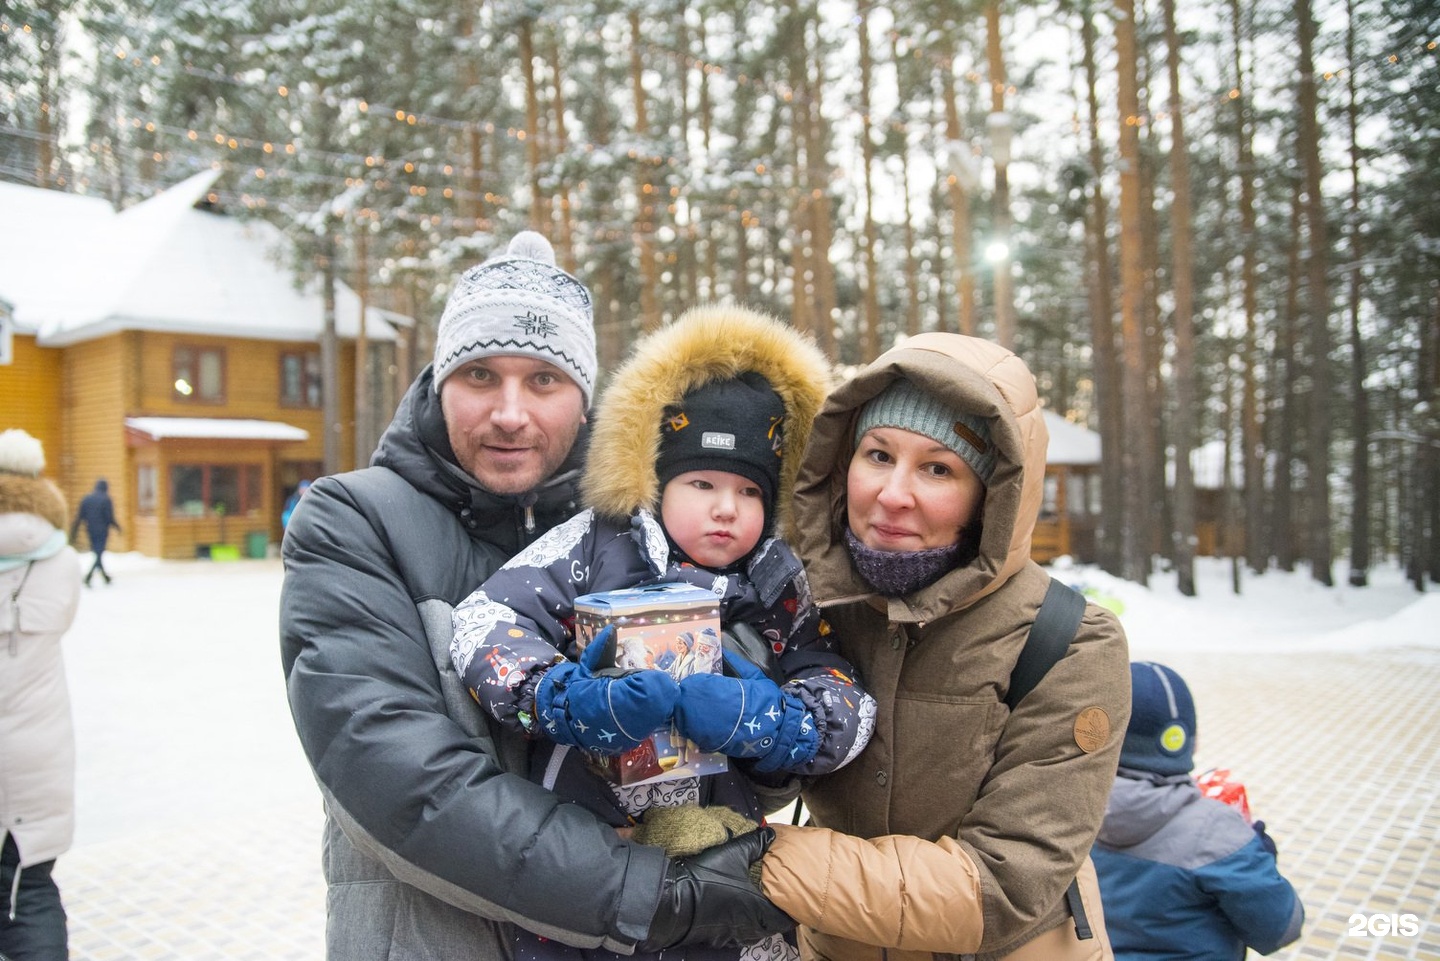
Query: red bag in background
{"x":1219,"y":784}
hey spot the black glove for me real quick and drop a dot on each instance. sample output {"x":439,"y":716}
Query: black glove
{"x":1266,"y":841}
{"x":709,"y":899}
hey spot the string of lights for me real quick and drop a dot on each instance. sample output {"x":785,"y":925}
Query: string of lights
{"x":419,"y":178}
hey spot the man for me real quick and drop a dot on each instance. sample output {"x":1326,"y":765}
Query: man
{"x":97,"y":513}
{"x":434,"y":837}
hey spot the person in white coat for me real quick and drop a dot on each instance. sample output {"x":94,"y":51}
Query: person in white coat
{"x":39,"y":591}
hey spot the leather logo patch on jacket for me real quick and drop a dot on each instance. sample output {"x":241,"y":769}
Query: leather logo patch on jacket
{"x":1092,"y":729}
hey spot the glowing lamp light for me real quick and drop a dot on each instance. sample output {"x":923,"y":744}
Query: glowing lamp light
{"x":182,"y":386}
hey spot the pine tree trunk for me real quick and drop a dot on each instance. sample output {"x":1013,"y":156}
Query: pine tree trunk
{"x":562,"y":144}
{"x":1135,"y":548}
{"x":1359,"y":400}
{"x":709,"y":269}
{"x":474,"y":201}
{"x":960,"y":239}
{"x":870,"y":338}
{"x":1283,"y":439}
{"x":1110,"y":410}
{"x":532,"y":123}
{"x":819,"y":176}
{"x":1425,"y":550}
{"x":1257,"y":552}
{"x":912,"y":265}
{"x":329,"y":355}
{"x":1183,"y":430}
{"x":1000,"y":202}
{"x":1151,"y":427}
{"x":364,"y":433}
{"x":1317,"y":306}
{"x":802,"y":302}
{"x":645,"y":199}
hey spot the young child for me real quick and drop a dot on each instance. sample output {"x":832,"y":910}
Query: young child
{"x":1183,"y":875}
{"x":690,"y":469}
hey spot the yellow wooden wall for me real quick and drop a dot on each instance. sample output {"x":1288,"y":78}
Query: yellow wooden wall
{"x":30,"y":398}
{"x":252,"y":389}
{"x":97,"y":382}
{"x":75,"y":400}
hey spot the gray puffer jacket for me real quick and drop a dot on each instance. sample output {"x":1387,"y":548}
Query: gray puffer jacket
{"x":434,"y":837}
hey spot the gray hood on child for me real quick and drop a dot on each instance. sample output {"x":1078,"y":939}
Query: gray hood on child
{"x":1142,"y":803}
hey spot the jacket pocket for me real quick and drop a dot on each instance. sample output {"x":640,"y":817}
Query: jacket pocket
{"x":944,"y":747}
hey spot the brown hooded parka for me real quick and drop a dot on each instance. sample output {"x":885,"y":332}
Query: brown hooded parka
{"x":960,"y":827}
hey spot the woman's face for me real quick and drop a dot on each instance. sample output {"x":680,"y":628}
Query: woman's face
{"x":906,"y":492}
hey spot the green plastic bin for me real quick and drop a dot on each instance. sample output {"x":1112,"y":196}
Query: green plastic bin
{"x":257,"y":545}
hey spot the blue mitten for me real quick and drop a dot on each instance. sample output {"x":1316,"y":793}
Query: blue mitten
{"x":748,"y":716}
{"x":608,"y":711}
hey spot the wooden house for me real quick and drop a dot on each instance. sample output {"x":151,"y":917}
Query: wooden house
{"x":1071,"y":506}
{"x":167,"y":349}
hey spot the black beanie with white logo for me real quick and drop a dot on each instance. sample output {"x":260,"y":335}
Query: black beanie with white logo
{"x":735,"y":425}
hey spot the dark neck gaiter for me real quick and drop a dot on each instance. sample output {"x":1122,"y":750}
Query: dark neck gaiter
{"x":897,"y":573}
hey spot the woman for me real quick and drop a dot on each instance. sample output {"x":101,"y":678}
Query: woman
{"x":960,"y":829}
{"x":39,"y":592}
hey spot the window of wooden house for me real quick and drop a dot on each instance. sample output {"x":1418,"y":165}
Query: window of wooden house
{"x":1050,"y":500}
{"x":198,"y":489}
{"x":300,"y":379}
{"x":1075,"y":489}
{"x":199,"y":374}
{"x":145,"y":489}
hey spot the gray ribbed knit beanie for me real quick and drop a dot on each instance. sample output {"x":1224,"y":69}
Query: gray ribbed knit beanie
{"x":519,"y":303}
{"x":906,"y":406}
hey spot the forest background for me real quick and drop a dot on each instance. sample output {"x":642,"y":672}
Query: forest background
{"x":1205,"y":222}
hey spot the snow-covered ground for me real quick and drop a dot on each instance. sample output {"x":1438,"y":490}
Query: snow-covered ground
{"x":178,"y":696}
{"x":1273,"y":613}
{"x":180,"y":702}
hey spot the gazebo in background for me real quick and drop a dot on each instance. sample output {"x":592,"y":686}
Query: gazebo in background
{"x":1070,"y":510}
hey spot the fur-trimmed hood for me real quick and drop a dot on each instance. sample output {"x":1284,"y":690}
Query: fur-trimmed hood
{"x":32,"y":495}
{"x":705,"y":344}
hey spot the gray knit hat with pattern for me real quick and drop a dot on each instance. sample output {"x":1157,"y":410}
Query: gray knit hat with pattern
{"x":906,"y":406}
{"x":520,"y":304}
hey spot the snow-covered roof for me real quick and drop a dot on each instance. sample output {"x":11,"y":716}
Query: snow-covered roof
{"x":1070,"y":444}
{"x":214,"y":428}
{"x":75,"y":270}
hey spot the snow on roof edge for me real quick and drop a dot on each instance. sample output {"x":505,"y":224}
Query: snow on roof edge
{"x":215,"y":428}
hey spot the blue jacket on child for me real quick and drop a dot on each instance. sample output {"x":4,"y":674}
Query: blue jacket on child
{"x":1183,"y":876}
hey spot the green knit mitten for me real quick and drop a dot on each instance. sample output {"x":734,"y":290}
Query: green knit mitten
{"x":690,"y":828}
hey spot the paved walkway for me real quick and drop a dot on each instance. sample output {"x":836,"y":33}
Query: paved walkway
{"x":215,"y":854}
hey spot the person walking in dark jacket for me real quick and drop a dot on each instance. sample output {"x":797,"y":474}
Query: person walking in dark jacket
{"x":437,"y":842}
{"x":97,"y":513}
{"x":1183,"y":876}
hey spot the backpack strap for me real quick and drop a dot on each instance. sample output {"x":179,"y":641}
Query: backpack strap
{"x":15,"y":617}
{"x":1055,"y":625}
